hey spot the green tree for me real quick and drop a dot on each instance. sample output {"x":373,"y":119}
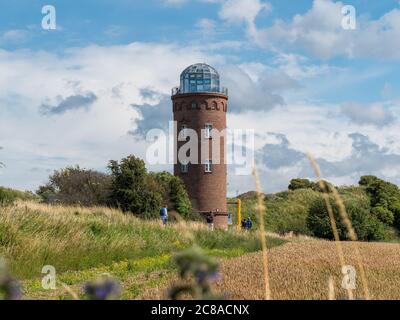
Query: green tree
{"x":175,"y":195}
{"x":385,"y":199}
{"x":366,"y":225}
{"x":300,"y":184}
{"x":74,"y":185}
{"x":383,"y":214}
{"x":132,"y":189}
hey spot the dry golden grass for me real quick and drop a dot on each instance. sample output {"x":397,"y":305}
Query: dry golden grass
{"x":305,"y":270}
{"x":301,"y":270}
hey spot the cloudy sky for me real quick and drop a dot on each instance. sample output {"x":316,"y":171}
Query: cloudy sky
{"x":89,"y":91}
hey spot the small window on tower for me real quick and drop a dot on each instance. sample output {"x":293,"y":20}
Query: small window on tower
{"x":184,"y":168}
{"x":207,"y":130}
{"x":208,"y":166}
{"x":194,"y":105}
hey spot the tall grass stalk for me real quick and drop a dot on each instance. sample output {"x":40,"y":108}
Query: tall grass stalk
{"x":331,"y":289}
{"x":261,"y":211}
{"x":325,"y":194}
{"x":346,"y":222}
{"x":353,"y":237}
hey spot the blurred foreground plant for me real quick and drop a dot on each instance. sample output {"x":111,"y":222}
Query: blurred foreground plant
{"x":10,"y":288}
{"x":194,"y":263}
{"x":103,"y":288}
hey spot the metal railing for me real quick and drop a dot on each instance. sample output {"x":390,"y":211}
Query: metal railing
{"x":223,"y":90}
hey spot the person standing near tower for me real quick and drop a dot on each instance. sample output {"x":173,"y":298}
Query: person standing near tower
{"x":164,"y":214}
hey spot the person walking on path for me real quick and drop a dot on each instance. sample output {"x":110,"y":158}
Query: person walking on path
{"x":164,"y":215}
{"x":249,"y":224}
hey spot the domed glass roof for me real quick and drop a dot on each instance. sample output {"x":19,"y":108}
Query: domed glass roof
{"x":199,"y":77}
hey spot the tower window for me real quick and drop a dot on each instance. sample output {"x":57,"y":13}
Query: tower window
{"x":184,"y":168}
{"x":208,"y":166}
{"x":194,"y":105}
{"x":207,"y":130}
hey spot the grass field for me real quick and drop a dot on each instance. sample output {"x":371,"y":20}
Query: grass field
{"x":300,"y":269}
{"x":85,"y":243}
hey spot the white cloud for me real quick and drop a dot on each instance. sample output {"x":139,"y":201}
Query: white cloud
{"x":206,"y":27}
{"x":319,"y":31}
{"x":345,"y":150}
{"x":14,"y":36}
{"x":92,"y":133}
{"x":244,"y":11}
{"x":374,"y":114}
{"x":238,"y":11}
{"x":93,"y":89}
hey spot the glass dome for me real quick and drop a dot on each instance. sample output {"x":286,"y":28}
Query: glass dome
{"x":199,"y":77}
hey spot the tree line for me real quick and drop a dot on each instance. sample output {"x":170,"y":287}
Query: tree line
{"x":373,"y":208}
{"x":127,"y":185}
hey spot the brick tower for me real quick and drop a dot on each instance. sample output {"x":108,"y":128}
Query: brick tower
{"x":201,"y":104}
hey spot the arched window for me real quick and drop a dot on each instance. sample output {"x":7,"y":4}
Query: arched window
{"x":214,"y":105}
{"x":223,"y":106}
{"x":194,"y":105}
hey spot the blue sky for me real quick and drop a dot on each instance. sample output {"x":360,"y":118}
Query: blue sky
{"x":313,"y":86}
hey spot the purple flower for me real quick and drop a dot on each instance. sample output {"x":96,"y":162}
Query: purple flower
{"x":10,"y":288}
{"x":104,"y":288}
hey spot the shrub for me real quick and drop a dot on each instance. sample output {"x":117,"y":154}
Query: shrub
{"x":8,"y":196}
{"x":385,"y":199}
{"x":296,"y":184}
{"x":74,"y":185}
{"x":367,"y":226}
{"x":300,"y":184}
{"x":174,"y":193}
{"x":287,"y":211}
{"x":383,"y":214}
{"x":132,"y":189}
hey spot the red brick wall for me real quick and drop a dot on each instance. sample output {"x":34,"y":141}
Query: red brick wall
{"x":207,"y":191}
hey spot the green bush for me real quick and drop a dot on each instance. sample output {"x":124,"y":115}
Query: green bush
{"x":366,"y":225}
{"x":287,"y":212}
{"x":296,"y":184}
{"x":9,"y":196}
{"x":383,"y":214}
{"x":174,"y":193}
{"x":384,"y":198}
{"x":76,"y":186}
{"x":132,"y":189}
